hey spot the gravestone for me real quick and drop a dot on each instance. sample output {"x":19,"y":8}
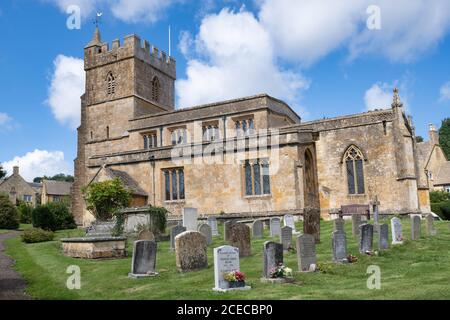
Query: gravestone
{"x":339,"y":245}
{"x":366,"y":238}
{"x":356,"y":222}
{"x":143,"y":263}
{"x":272,"y":255}
{"x":205,"y":230}
{"x":339,"y":224}
{"x":286,"y":237}
{"x":290,"y":222}
{"x":190,"y":251}
{"x":258,"y":229}
{"x":240,"y":238}
{"x":431,"y":231}
{"x":306,"y":253}
{"x":396,"y":231}
{"x":383,"y":236}
{"x":190,"y":219}
{"x":212,"y":222}
{"x":146,"y":235}
{"x":275,"y":227}
{"x":226,"y":229}
{"x":311,"y":222}
{"x":174,"y":231}
{"x":226,"y":259}
{"x":415,"y":227}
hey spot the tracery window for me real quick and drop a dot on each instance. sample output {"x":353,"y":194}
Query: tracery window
{"x":111,"y":80}
{"x":174,"y":184}
{"x":354,"y":162}
{"x":257,"y":178}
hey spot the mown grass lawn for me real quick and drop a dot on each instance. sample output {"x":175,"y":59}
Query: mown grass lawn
{"x":21,"y":228}
{"x":416,"y":270}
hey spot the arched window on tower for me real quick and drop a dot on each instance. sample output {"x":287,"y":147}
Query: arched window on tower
{"x":354,"y":162}
{"x":111,"y":83}
{"x":156,"y":87}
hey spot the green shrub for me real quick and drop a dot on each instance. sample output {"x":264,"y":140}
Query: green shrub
{"x":35,"y":235}
{"x":25,"y":212}
{"x":439,"y":196}
{"x":9,"y":216}
{"x":43,"y":218}
{"x":64,"y":219}
{"x":442,"y":209}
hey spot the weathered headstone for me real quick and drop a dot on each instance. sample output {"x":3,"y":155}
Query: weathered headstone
{"x":356,"y":222}
{"x":290,"y":222}
{"x":339,"y":245}
{"x":146,"y":235}
{"x":190,"y":251}
{"x":275,"y":227}
{"x":226,"y":229}
{"x":226,"y":259}
{"x":366,"y":238}
{"x":240,"y":238}
{"x":190,"y":219}
{"x":174,"y":231}
{"x":396,"y":231}
{"x":212,"y":222}
{"x":415,"y":227}
{"x":311,"y":222}
{"x":143,"y":263}
{"x":258,"y":229}
{"x":431,"y":231}
{"x":272,"y":255}
{"x":286,"y":237}
{"x":306,"y":253}
{"x":339,"y":224}
{"x":205,"y":230}
{"x":383,"y":237}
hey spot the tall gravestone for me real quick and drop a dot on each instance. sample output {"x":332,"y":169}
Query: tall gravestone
{"x":275,"y":227}
{"x":306,"y":253}
{"x":226,"y":229}
{"x":226,"y":259}
{"x":240,"y":238}
{"x":396,"y":230}
{"x":272,"y":257}
{"x":290,"y":222}
{"x":143,"y":263}
{"x":339,"y":224}
{"x":415,"y":227}
{"x":356,"y":222}
{"x":205,"y":230}
{"x":366,"y":238}
{"x":212,"y":222}
{"x":258,"y":229}
{"x":286,"y":237}
{"x":383,"y":236}
{"x":339,"y":246}
{"x":311,"y":222}
{"x":190,"y":219}
{"x":174,"y":231}
{"x":431,"y":231}
{"x":146,"y":235}
{"x":190,"y":251}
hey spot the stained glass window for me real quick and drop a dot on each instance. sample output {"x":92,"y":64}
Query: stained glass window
{"x":355,"y":170}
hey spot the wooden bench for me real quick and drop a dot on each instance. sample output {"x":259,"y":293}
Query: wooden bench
{"x":348,"y":210}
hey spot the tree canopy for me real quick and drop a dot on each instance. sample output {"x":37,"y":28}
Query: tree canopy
{"x":57,"y":177}
{"x":444,"y":137}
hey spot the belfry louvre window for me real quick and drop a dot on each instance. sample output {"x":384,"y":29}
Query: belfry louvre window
{"x":111,"y":86}
{"x":211,"y":132}
{"x":244,"y":127}
{"x":150,"y":140}
{"x":156,"y":88}
{"x":179,"y":136}
{"x":257,"y":177}
{"x":354,"y":162}
{"x":173,"y":184}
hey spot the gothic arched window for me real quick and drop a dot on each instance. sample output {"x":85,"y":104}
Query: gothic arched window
{"x":155,"y":89}
{"x":111,"y":81}
{"x":354,"y":162}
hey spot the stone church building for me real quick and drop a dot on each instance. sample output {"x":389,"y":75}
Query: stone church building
{"x":252,"y":156}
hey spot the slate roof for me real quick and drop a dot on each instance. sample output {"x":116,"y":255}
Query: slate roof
{"x":127,"y":181}
{"x":57,"y":188}
{"x":424,"y":150}
{"x":443,"y":176}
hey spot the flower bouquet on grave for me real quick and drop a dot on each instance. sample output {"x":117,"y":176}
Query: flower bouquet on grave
{"x":352,"y":259}
{"x":280,"y":271}
{"x":236,"y":279}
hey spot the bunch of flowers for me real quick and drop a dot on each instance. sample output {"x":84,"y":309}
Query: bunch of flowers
{"x":280,"y":271}
{"x":234,"y":276}
{"x":351,"y":258}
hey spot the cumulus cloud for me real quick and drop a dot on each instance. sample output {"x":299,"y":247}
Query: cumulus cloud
{"x":235,"y":58}
{"x":379,"y":95}
{"x":39,"y":163}
{"x":66,"y":88}
{"x":445,"y":92}
{"x":6,"y":122}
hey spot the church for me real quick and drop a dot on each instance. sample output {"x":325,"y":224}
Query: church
{"x":251,"y":156}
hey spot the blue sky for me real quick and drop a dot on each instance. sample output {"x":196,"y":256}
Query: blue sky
{"x":319,"y":57}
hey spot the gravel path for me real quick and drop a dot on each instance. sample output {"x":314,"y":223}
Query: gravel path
{"x":12,"y":285}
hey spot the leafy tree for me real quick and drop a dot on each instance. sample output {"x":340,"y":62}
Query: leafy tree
{"x":57,"y":177}
{"x":2,"y":172}
{"x":105,"y":199}
{"x":9,"y":217}
{"x":419,"y":139}
{"x":439,"y":196}
{"x":444,"y":137}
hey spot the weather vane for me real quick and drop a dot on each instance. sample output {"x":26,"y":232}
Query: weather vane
{"x":98,"y":18}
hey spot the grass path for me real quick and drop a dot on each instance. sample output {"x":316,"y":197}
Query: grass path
{"x":416,"y":270}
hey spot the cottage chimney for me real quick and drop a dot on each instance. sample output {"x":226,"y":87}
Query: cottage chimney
{"x":433,"y":134}
{"x":16,"y":170}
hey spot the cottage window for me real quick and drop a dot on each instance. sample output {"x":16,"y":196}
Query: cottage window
{"x":174,"y":184}
{"x":354,"y":159}
{"x":257,"y":177}
{"x":27,"y":198}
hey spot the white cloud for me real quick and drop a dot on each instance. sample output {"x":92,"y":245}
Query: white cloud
{"x":380,"y":95}
{"x":239,"y":60}
{"x":445,"y":92}
{"x":6,"y":122}
{"x":39,"y":163}
{"x":66,"y":88}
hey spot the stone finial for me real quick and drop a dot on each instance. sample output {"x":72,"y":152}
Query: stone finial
{"x":96,"y":39}
{"x":396,"y":102}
